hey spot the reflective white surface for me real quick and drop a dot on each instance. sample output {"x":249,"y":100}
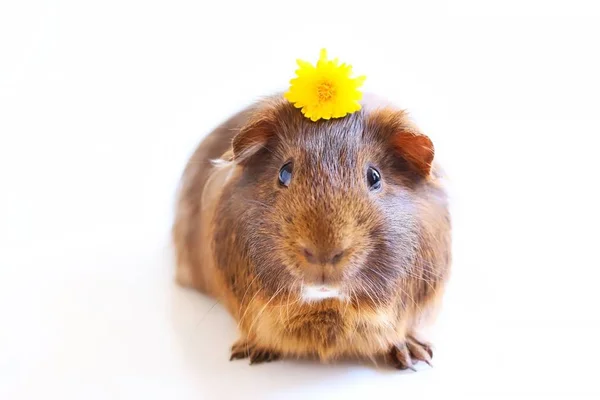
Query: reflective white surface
{"x":102,"y":102}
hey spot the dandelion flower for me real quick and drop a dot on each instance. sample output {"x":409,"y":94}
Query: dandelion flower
{"x":326,"y":90}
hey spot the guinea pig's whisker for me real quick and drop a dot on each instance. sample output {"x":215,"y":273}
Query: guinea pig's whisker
{"x":366,"y":290}
{"x":248,"y":288}
{"x":373,"y":360}
{"x":263,"y":309}
{"x":414,"y":275}
{"x":402,"y":303}
{"x":249,"y":303}
{"x":411,"y":298}
{"x":206,"y":314}
{"x":377,"y":273}
{"x":353,"y":294}
{"x":348,"y":300}
{"x":298,"y":299}
{"x":433,"y":274}
{"x":372,"y":284}
{"x":288,"y":302}
{"x":287,"y":306}
{"x":420,"y":278}
{"x":247,"y":308}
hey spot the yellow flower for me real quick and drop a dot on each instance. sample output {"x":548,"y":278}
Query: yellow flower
{"x":325,"y":90}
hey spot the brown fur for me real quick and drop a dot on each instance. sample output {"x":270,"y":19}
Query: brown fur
{"x":239,"y":234}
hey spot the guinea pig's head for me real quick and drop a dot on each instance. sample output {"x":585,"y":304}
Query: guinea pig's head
{"x":330,"y":208}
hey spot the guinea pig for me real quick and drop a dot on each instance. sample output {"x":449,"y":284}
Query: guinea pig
{"x":324,"y":239}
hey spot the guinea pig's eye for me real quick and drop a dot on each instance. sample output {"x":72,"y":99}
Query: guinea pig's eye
{"x":285,"y":174}
{"x":373,"y":178}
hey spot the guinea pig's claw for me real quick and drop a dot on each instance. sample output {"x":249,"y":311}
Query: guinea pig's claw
{"x":419,"y":351}
{"x":240,"y":350}
{"x":257,"y":355}
{"x":405,"y":355}
{"x":261,"y":356}
{"x":400,"y":357}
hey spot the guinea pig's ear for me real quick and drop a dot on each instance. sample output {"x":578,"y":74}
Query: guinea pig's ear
{"x":256,"y":132}
{"x":404,"y":138}
{"x":416,"y":148}
{"x":249,"y":140}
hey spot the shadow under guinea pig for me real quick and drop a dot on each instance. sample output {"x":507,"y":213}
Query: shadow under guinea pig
{"x":205,"y":332}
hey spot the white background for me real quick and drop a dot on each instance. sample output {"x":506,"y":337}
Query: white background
{"x":101,"y":103}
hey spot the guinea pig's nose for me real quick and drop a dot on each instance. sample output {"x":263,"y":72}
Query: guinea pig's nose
{"x":324,"y":256}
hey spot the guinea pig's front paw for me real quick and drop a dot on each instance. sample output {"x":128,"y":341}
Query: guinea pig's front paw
{"x":406,"y":354}
{"x":245,"y":349}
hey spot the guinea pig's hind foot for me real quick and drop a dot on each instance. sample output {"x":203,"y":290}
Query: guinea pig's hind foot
{"x":245,"y":349}
{"x":405,"y":355}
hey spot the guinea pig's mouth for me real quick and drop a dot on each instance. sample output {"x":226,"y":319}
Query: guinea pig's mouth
{"x":311,"y":293}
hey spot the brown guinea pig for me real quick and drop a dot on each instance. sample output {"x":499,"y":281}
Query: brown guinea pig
{"x":323,"y":239}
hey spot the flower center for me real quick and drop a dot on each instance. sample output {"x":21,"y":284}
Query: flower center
{"x":325,"y":91}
